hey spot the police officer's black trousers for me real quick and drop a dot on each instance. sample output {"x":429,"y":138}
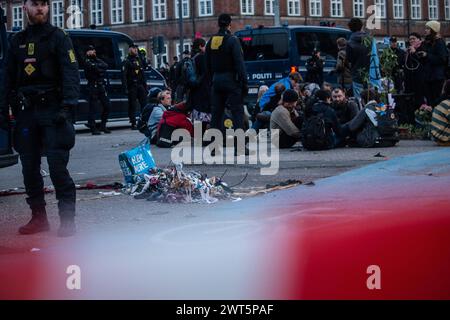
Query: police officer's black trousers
{"x":227,"y":95}
{"x":136,"y":94}
{"x":37,"y":134}
{"x":98,"y":95}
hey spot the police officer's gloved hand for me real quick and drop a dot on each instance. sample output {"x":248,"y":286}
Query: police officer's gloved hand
{"x":63,"y":115}
{"x":4,"y":123}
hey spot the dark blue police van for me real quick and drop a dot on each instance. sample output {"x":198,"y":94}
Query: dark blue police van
{"x":271,"y":53}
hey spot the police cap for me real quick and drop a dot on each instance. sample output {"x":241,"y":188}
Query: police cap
{"x":89,"y":48}
{"x":224,"y":20}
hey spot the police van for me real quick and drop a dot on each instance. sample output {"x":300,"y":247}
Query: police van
{"x":7,"y":156}
{"x":271,"y":53}
{"x":111,"y":47}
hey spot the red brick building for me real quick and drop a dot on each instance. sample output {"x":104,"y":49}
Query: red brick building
{"x":144,"y":19}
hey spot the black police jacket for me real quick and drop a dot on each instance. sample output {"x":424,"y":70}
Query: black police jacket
{"x":224,"y":55}
{"x":41,"y":59}
{"x":132,"y":72}
{"x":95,"y":70}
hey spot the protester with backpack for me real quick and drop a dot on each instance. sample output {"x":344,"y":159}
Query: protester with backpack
{"x":286,"y":119}
{"x":199,"y":98}
{"x":321,"y":129}
{"x":164,"y":102}
{"x":180,"y":90}
{"x":142,"y":124}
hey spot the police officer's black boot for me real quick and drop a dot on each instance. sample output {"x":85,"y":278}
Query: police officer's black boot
{"x":104,"y":128}
{"x":38,"y":222}
{"x":67,"y":227}
{"x":95,"y":131}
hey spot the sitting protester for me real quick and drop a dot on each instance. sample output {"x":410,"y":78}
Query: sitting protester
{"x":290,"y":82}
{"x":346,"y":109}
{"x":176,"y":117}
{"x":263,"y":118}
{"x":142,"y":124}
{"x":285,"y":119}
{"x":440,"y":121}
{"x":164,"y":102}
{"x":374,"y":126}
{"x":321,"y":127}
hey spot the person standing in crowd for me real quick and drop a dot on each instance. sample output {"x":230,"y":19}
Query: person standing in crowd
{"x":398,"y":73}
{"x":414,"y":70}
{"x":42,"y":86}
{"x":173,"y":82}
{"x":440,"y":121}
{"x":95,"y":72}
{"x":358,"y":55}
{"x":199,"y":100}
{"x":435,"y":61}
{"x":344,"y":74}
{"x":290,"y":82}
{"x":135,"y":85}
{"x":225,"y":64}
{"x":314,"y":68}
{"x":181,"y":89}
{"x":286,"y":119}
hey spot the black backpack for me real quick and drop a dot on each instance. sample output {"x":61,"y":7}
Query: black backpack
{"x":142,"y":123}
{"x":385,"y":134}
{"x":315,"y":134}
{"x":189,"y":76}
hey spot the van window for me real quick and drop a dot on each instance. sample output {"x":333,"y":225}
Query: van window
{"x":103,"y":47}
{"x":324,"y":41}
{"x":123,"y":49}
{"x":267,"y":46}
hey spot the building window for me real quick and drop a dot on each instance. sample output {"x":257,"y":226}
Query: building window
{"x":96,"y":12}
{"x":184,"y":8}
{"x":358,"y":8}
{"x":164,"y":57}
{"x":116,"y":11}
{"x":416,"y":9}
{"x":247,"y":7}
{"x":205,"y":8}
{"x":268,"y":7}
{"x":380,"y":9}
{"x":293,"y":7}
{"x":315,"y":8}
{"x":17,"y":17}
{"x":398,"y":9}
{"x":58,"y":13}
{"x":186,"y":46}
{"x":137,"y":11}
{"x":336,"y":8}
{"x":447,"y":9}
{"x":76,"y":16}
{"x":159,"y":9}
{"x":433,"y":11}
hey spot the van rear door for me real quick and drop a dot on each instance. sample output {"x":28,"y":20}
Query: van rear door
{"x":266,"y":54}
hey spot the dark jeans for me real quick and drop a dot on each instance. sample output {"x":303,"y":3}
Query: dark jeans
{"x":136,"y":94}
{"x":98,"y":95}
{"x":35,"y":134}
{"x":227,"y":94}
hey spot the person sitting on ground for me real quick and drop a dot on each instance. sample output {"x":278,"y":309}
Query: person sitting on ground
{"x":263,"y":118}
{"x":327,"y":86}
{"x":164,"y":102}
{"x":346,"y":109}
{"x":321,"y":110}
{"x":290,"y":82}
{"x":152,"y":100}
{"x":440,"y":121}
{"x":175,"y":117}
{"x":285,"y":119}
{"x":261,"y":90}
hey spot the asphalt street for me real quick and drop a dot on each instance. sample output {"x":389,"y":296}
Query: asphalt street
{"x":95,"y":159}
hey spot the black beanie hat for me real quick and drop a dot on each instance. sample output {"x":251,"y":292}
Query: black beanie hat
{"x":290,"y":96}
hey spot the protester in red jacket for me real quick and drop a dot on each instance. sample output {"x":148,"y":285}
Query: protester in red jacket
{"x":178,"y":117}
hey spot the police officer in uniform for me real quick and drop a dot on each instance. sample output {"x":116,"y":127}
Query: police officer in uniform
{"x":225,"y":64}
{"x":42,"y":89}
{"x":134,"y":83}
{"x":95,"y":71}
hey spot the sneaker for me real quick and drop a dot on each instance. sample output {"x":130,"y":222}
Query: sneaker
{"x":67,"y":228}
{"x":38,"y":223}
